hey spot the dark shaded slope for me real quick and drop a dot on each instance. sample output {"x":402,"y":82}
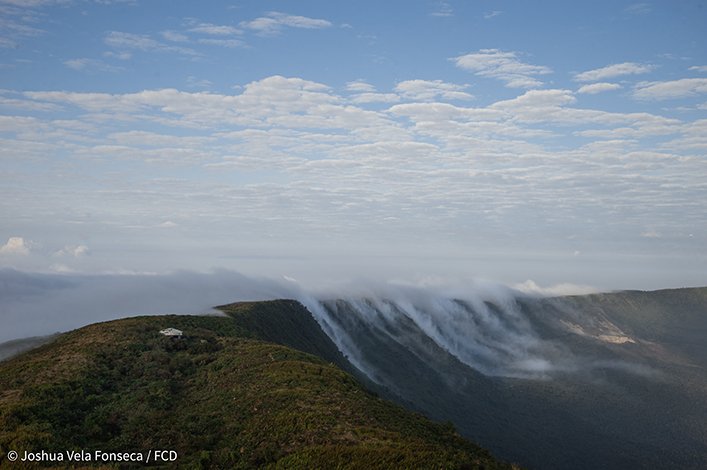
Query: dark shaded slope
{"x":286,"y":322}
{"x":676,"y":318}
{"x":219,"y":396}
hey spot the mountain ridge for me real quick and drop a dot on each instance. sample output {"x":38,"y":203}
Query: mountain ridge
{"x":219,"y":396}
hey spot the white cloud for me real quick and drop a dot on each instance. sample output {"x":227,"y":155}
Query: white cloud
{"x":699,"y":68}
{"x":503,"y":66}
{"x":230,"y":43}
{"x":121,"y":40}
{"x":215,"y":30}
{"x":595,"y":88}
{"x":123,"y":55}
{"x":530,"y":287}
{"x":27,"y":105}
{"x":360,"y":86}
{"x":315,"y":159}
{"x":7,"y":43}
{"x":85,"y":64}
{"x":193,"y":82}
{"x":683,"y":88}
{"x":651,"y":234}
{"x":15,"y":246}
{"x":74,"y":251}
{"x":174,"y":36}
{"x":428,"y":90}
{"x":492,"y":14}
{"x":638,"y":9}
{"x":444,"y":9}
{"x":273,"y":23}
{"x":615,"y":70}
{"x":362,"y":98}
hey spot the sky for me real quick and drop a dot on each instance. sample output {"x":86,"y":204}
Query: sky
{"x":558,"y":142}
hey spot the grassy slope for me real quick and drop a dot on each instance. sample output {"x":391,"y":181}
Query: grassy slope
{"x":221,"y":397}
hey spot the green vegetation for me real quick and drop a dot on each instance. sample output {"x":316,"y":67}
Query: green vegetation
{"x":220,"y":396}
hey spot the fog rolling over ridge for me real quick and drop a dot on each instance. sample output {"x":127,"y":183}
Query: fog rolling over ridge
{"x":607,"y":381}
{"x":489,"y":331}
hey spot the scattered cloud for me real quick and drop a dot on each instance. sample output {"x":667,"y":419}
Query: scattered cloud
{"x":85,"y":64}
{"x":193,"y":82}
{"x":230,"y":43}
{"x":121,"y":40}
{"x":174,"y":36}
{"x":364,"y":92}
{"x":26,"y":105}
{"x":215,"y":30}
{"x":673,"y":89}
{"x":419,"y":166}
{"x":492,"y":14}
{"x":273,"y":23}
{"x":73,"y":251}
{"x":428,"y":90}
{"x":7,"y":43}
{"x":594,"y":88}
{"x":638,"y":9}
{"x":502,"y":65}
{"x":360,"y":86}
{"x":443,"y":9}
{"x":651,"y":234}
{"x":615,"y":70}
{"x":15,"y":246}
{"x":368,"y":97}
{"x":699,"y":68}
{"x":123,"y":55}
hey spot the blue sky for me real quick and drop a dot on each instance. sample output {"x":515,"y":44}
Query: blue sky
{"x":562,"y":142}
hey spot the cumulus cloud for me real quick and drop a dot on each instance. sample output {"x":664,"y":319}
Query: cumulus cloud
{"x":15,"y":246}
{"x":673,"y":89}
{"x":363,"y":98}
{"x":274,"y":22}
{"x":74,"y":251}
{"x":428,"y":90}
{"x":615,"y":70}
{"x":502,"y":65}
{"x":594,"y":88}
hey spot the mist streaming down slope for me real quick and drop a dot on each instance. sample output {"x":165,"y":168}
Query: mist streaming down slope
{"x":488,"y":330}
{"x":607,"y":381}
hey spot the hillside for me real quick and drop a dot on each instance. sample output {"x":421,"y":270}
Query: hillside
{"x":609,"y":381}
{"x":226,"y":395}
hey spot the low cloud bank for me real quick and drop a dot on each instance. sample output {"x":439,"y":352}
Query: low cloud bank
{"x":33,"y":304}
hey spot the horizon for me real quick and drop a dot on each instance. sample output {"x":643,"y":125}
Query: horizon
{"x":561,"y":144}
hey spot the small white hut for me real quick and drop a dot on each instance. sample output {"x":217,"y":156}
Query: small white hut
{"x":171,"y":332}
